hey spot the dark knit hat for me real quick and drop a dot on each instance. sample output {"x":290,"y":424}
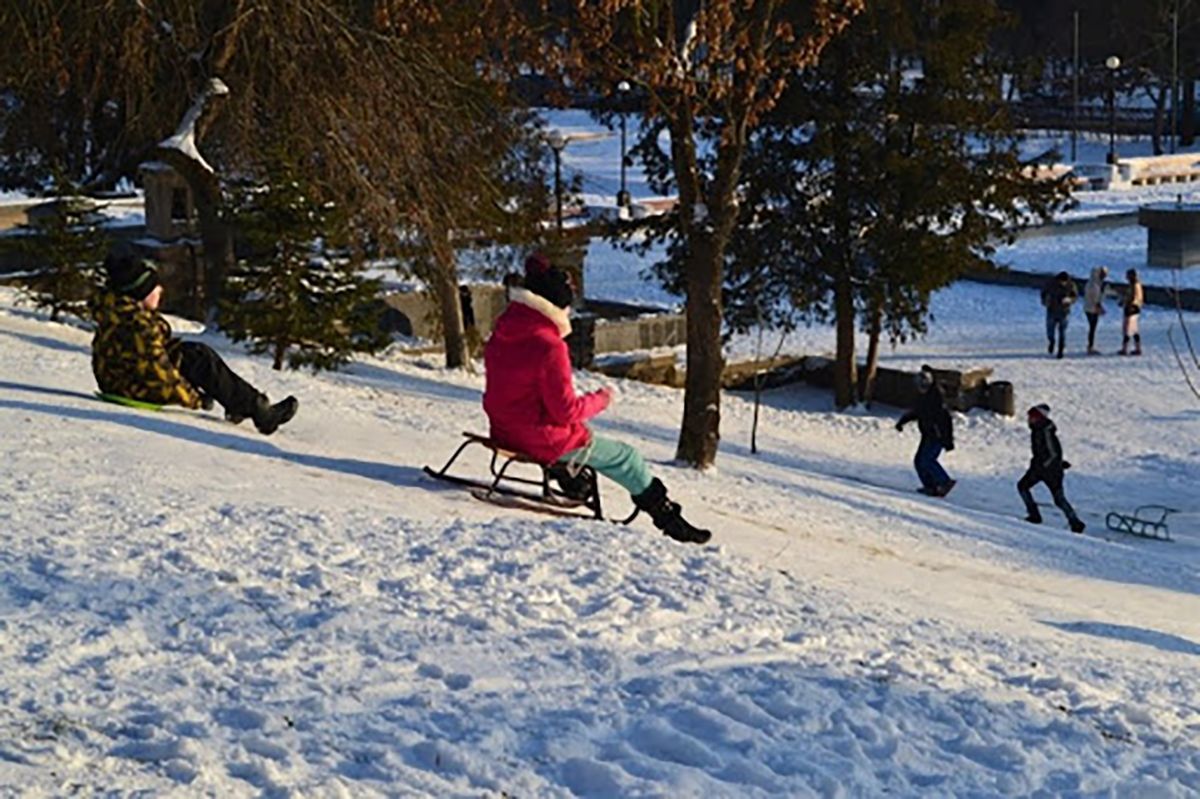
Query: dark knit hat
{"x":130,"y":275}
{"x":548,"y":281}
{"x":1039,"y":411}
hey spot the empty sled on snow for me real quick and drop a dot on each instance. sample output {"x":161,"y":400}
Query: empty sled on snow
{"x":1147,"y":521}
{"x":510,"y":490}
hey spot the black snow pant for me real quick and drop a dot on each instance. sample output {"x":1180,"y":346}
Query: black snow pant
{"x":1054,"y":482}
{"x":204,"y":368}
{"x":1092,"y":318}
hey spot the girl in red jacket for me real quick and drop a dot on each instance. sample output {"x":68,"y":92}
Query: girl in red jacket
{"x":532,"y":406}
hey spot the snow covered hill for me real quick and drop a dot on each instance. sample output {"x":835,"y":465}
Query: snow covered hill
{"x":188,"y":608}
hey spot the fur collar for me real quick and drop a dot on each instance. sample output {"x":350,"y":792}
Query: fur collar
{"x":559,"y":316}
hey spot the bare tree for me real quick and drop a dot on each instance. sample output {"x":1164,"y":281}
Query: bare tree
{"x":391,"y":120}
{"x":708,"y":72}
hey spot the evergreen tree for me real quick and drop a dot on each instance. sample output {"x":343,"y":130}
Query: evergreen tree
{"x":65,"y":249}
{"x":888,"y":170}
{"x":298,"y":294}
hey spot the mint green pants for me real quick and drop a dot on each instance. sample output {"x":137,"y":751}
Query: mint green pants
{"x":618,"y":462}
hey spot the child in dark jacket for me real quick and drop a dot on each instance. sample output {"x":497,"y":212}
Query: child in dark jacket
{"x":937,"y":434}
{"x":1046,"y":466}
{"x":135,"y":355}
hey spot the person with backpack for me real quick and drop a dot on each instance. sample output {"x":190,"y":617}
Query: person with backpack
{"x":532,"y":407}
{"x":1046,"y":466}
{"x":136,"y":356}
{"x":1058,"y":295}
{"x":1131,"y":305}
{"x":937,"y":435}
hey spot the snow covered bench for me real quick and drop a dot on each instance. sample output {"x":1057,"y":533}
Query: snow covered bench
{"x":1152,"y":170}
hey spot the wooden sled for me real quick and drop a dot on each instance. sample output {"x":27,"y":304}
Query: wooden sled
{"x":1147,"y":521}
{"x":509,"y":490}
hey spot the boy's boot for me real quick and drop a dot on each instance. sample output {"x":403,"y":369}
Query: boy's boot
{"x":268,"y":417}
{"x":1125,"y":346}
{"x":666,"y":515}
{"x":1137,"y":344}
{"x":1077,"y":526}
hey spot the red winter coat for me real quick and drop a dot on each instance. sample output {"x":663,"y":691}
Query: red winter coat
{"x":530,"y":396}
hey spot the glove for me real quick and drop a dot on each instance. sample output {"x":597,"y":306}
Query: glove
{"x":950,"y":447}
{"x":606,"y":395}
{"x":206,"y":402}
{"x":900,"y":426}
{"x":1066,"y":465}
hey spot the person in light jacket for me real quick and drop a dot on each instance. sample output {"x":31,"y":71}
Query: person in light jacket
{"x":1093,"y":304}
{"x":1131,"y":305}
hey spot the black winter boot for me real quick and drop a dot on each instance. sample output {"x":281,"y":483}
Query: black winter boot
{"x":666,"y":515}
{"x":573,"y":486}
{"x":1077,"y":526}
{"x":268,"y":417}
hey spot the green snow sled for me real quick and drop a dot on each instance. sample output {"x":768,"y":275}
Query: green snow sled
{"x":117,"y":399}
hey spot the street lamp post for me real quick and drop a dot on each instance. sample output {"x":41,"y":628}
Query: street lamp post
{"x":1113,"y":63}
{"x":623,"y":195}
{"x":557,"y":142}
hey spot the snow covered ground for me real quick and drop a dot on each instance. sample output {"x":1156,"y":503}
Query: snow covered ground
{"x":188,"y":608}
{"x":191,"y":609}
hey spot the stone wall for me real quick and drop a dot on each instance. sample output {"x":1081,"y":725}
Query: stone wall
{"x":414,"y":313}
{"x":1155,"y":295}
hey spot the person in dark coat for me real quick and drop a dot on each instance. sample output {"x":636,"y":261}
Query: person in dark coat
{"x":1058,"y":295}
{"x":135,"y":355}
{"x":937,"y":434}
{"x":1046,"y":466}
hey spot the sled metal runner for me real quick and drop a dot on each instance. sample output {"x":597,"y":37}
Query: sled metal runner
{"x":509,"y":490}
{"x":1147,"y":521}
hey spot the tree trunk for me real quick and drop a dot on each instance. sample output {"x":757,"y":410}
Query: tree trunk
{"x":866,"y":388}
{"x":280,"y":351}
{"x":1187,"y":125}
{"x":450,"y":309}
{"x":700,"y":434}
{"x":445,"y":286}
{"x":1160,"y":120}
{"x":217,"y":238}
{"x":845,"y":367}
{"x":444,"y":283}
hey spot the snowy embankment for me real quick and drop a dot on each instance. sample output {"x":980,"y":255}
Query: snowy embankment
{"x":190,"y":608}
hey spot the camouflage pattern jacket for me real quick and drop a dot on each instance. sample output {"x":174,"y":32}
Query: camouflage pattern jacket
{"x":134,"y":355}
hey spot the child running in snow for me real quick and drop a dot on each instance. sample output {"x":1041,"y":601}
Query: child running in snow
{"x":134,"y":354}
{"x":937,"y":434}
{"x":1046,"y":466}
{"x":533,"y":409}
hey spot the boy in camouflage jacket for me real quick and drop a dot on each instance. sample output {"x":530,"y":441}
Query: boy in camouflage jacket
{"x":135,"y":355}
